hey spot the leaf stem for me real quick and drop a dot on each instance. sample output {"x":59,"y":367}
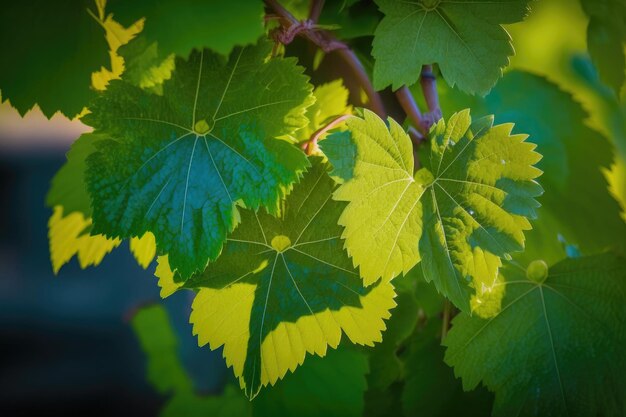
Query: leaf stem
{"x":311,"y":145}
{"x":316,"y":10}
{"x":408,"y":104}
{"x":328,"y":43}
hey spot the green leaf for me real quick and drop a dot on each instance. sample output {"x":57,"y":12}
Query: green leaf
{"x":49,"y":51}
{"x":340,"y":150}
{"x":68,"y":188}
{"x":68,"y":235}
{"x":332,"y":386}
{"x":158,"y":340}
{"x":379,"y":403}
{"x":178,"y":164}
{"x":557,"y":347}
{"x":229,"y":403}
{"x":431,"y":389}
{"x":465,"y":38}
{"x":577,"y":203}
{"x":331,"y":100}
{"x":145,"y":66}
{"x":385,"y":365}
{"x":180,"y":26}
{"x":459,"y":215}
{"x":606,"y":39}
{"x":168,"y":375}
{"x":284,"y":287}
{"x":352,"y":19}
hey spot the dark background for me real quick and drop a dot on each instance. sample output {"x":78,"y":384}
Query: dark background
{"x":66,"y":345}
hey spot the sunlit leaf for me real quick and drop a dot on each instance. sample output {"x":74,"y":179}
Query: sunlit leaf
{"x":460,"y":214}
{"x":283,"y":287}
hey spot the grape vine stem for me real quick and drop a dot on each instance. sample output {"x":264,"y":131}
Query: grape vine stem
{"x":311,"y":145}
{"x":328,"y":43}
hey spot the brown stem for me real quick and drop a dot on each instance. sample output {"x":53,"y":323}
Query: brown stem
{"x":406,"y":100}
{"x":353,"y":61}
{"x":316,"y":10}
{"x":328,"y":43}
{"x":428,"y":82}
{"x":311,"y":145}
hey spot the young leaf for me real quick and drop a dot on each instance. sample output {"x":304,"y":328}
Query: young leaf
{"x":217,"y":25}
{"x":49,"y":51}
{"x":557,"y":347}
{"x":284,"y":287}
{"x":465,"y":38}
{"x":178,"y":164}
{"x":459,"y":215}
{"x":331,"y":100}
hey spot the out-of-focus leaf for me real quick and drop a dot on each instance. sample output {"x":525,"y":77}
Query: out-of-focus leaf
{"x":331,"y":386}
{"x":49,"y":50}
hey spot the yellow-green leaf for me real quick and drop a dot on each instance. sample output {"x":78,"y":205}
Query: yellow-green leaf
{"x":284,"y":287}
{"x":459,"y":214}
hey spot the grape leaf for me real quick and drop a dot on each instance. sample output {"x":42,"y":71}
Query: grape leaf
{"x":557,"y":347}
{"x":116,"y":36}
{"x":379,"y":403}
{"x":215,"y":24}
{"x":606,"y":39}
{"x":465,"y":38}
{"x":70,"y":225}
{"x":574,"y":157}
{"x":340,"y":150}
{"x":178,"y":164}
{"x":385,"y":365}
{"x":427,"y":377}
{"x":459,"y":215}
{"x":284,"y":287}
{"x":67,"y":188}
{"x":49,"y":51}
{"x":352,"y":19}
{"x":158,"y":340}
{"x":68,"y":235}
{"x":332,"y":386}
{"x":331,"y":100}
{"x":146,"y":68}
{"x":143,"y":249}
{"x":165,"y":277}
{"x":168,"y":375}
